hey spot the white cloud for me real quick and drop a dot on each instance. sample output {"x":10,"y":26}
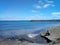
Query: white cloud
{"x":46,"y":5}
{"x":37,"y":6}
{"x":34,"y":11}
{"x":36,"y":17}
{"x":49,"y":1}
{"x":55,"y":13}
{"x":33,"y":17}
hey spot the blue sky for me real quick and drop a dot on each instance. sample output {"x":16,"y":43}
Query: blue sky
{"x":29,"y":9}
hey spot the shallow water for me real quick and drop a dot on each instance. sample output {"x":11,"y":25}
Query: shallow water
{"x":11,"y":28}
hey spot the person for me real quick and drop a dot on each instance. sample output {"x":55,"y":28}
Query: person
{"x":47,"y":33}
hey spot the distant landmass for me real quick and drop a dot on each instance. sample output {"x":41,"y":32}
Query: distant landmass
{"x":45,"y":20}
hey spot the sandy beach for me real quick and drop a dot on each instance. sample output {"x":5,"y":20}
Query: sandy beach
{"x":55,"y":37}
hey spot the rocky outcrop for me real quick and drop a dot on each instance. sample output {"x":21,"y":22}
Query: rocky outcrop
{"x":55,"y":34}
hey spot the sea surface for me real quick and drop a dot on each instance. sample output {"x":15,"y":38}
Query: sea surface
{"x":11,"y":28}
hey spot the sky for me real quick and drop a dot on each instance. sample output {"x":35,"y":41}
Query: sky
{"x":29,"y":9}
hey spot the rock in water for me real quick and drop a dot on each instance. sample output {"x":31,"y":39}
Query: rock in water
{"x":35,"y":39}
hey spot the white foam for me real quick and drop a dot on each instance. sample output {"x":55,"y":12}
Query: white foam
{"x":32,"y":35}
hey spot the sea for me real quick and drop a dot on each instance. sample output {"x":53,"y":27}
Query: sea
{"x":11,"y":28}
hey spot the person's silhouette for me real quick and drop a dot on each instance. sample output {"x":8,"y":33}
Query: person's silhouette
{"x":47,"y":33}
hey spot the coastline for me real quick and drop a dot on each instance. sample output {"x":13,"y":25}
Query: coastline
{"x":45,"y":20}
{"x":55,"y":34}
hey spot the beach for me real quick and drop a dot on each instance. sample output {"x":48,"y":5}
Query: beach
{"x":55,"y":37}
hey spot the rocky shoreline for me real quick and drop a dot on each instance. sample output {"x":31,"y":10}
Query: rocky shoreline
{"x":55,"y":37}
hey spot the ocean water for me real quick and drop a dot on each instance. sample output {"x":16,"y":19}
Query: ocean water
{"x":11,"y":28}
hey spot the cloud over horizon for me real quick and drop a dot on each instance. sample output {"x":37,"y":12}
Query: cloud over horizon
{"x":36,"y":17}
{"x":29,"y":9}
{"x":56,"y":13}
